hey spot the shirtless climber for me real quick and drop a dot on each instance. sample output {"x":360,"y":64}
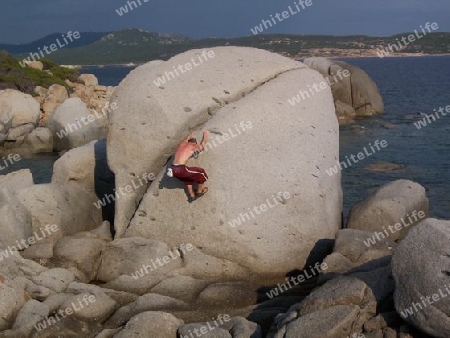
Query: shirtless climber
{"x":189,"y":175}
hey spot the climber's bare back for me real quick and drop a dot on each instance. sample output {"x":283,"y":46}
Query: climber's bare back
{"x":184,"y":152}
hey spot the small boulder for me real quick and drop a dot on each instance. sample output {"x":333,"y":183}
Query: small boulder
{"x":55,"y":301}
{"x":222,"y":326}
{"x":41,"y":91}
{"x":120,"y":297}
{"x":151,"y":324}
{"x":336,"y":309}
{"x":184,"y":288}
{"x":73,"y":125}
{"x":333,"y":322}
{"x":340,"y":291}
{"x":34,"y":64}
{"x":90,"y":306}
{"x":137,"y":256}
{"x":17,"y":108}
{"x":229,"y":295}
{"x":29,"y":315}
{"x":354,"y":245}
{"x":391,"y":210}
{"x":54,"y":97}
{"x":39,"y":140}
{"x":55,"y":279}
{"x":88,"y":80}
{"x":16,"y":132}
{"x":68,"y":254}
{"x":139,"y":285}
{"x":384,"y":167}
{"x":148,"y":302}
{"x":86,"y":167}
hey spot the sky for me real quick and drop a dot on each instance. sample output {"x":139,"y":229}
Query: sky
{"x":23,"y":21}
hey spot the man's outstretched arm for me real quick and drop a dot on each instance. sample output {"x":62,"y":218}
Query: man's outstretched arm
{"x":204,"y":140}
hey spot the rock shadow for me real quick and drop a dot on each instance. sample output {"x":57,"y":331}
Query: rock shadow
{"x":287,"y":295}
{"x":167,"y":182}
{"x":105,"y":183}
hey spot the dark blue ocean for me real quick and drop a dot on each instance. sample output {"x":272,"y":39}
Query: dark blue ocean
{"x":408,"y":86}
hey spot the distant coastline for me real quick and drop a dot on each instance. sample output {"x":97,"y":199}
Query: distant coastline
{"x":399,"y":55}
{"x":131,"y":47}
{"x":337,"y":57}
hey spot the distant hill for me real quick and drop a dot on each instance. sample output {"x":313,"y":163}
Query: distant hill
{"x":130,"y":45}
{"x":139,"y":46}
{"x":86,"y":38}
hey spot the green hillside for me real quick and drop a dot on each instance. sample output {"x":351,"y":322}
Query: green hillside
{"x":25,"y":79}
{"x":131,"y":45}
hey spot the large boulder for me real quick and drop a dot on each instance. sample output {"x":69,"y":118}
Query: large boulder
{"x":17,"y":108}
{"x":152,"y":117}
{"x":366,"y":98}
{"x":355,"y":94}
{"x":73,"y":125}
{"x":391,"y":210}
{"x":86,"y":167}
{"x":77,"y":167}
{"x":340,"y":80}
{"x":304,"y":202}
{"x":68,"y":208}
{"x":15,"y":221}
{"x":421,"y":271}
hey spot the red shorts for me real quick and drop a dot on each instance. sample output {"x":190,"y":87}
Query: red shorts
{"x":189,"y":175}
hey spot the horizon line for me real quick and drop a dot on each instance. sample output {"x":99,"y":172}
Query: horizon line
{"x":226,"y":38}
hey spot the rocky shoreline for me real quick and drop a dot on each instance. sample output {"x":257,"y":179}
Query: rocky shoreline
{"x":42,"y":124}
{"x":145,"y":263}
